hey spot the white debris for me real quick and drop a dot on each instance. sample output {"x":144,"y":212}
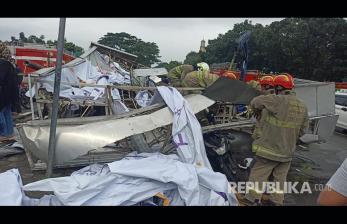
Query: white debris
{"x":12,"y":194}
{"x":186,"y":129}
{"x":139,"y":177}
{"x":10,"y":188}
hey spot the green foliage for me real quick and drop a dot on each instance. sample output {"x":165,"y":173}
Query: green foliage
{"x":147,"y":52}
{"x":310,"y":48}
{"x":76,"y":50}
{"x":50,"y":42}
{"x":69,"y":46}
{"x":22,"y":37}
{"x":35,"y":39}
{"x":193,"y":58}
{"x":169,"y":65}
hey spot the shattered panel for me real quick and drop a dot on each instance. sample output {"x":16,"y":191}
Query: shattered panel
{"x":232,"y":91}
{"x":74,"y":141}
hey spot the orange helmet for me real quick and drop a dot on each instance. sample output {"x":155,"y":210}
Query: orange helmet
{"x":229,"y":75}
{"x":267,"y":80}
{"x":286,"y":81}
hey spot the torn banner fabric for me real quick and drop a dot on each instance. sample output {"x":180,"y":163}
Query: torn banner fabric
{"x":186,"y":129}
{"x":12,"y":194}
{"x":139,"y":177}
{"x":10,"y":188}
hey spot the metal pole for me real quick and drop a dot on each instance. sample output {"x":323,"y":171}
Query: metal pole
{"x":31,"y":99}
{"x":54,"y":117}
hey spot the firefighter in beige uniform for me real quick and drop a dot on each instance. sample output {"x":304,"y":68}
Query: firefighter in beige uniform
{"x":177,"y":74}
{"x":202,"y":78}
{"x":285,"y":120}
{"x":267,"y":87}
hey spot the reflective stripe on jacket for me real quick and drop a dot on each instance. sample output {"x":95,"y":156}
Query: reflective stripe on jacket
{"x":201,"y":79}
{"x":178,"y":73}
{"x":285,"y":121}
{"x":260,"y":120}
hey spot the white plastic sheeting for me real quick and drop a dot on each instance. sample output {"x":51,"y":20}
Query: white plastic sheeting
{"x":139,"y":177}
{"x":87,"y":73}
{"x":11,"y":149}
{"x":125,"y":75}
{"x":186,"y":129}
{"x":10,"y":188}
{"x":46,"y":200}
{"x":12,"y":194}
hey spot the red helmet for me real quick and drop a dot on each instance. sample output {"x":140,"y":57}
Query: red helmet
{"x":229,"y":75}
{"x":286,"y":81}
{"x":267,"y":80}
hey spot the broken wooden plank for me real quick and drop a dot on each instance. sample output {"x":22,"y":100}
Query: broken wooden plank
{"x":76,"y":102}
{"x":84,"y":120}
{"x":21,"y":115}
{"x":123,"y":87}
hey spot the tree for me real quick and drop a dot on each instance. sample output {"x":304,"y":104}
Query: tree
{"x":147,"y":52}
{"x":35,"y":39}
{"x":22,"y":37}
{"x":192,"y":58}
{"x":76,"y":50}
{"x":50,"y":42}
{"x":68,"y":46}
{"x":311,"y":48}
{"x":169,"y":65}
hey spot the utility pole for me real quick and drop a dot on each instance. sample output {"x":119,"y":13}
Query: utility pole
{"x":54,"y":117}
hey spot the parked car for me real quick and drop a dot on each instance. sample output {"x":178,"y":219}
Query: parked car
{"x":341,"y":109}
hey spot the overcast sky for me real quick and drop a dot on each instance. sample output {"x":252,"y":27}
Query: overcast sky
{"x":175,"y":37}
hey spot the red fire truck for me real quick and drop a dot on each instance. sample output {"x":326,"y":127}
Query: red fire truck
{"x":40,"y":56}
{"x":341,"y":85}
{"x":31,"y":57}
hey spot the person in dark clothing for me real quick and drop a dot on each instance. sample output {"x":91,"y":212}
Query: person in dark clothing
{"x":16,"y":107}
{"x":9,"y":94}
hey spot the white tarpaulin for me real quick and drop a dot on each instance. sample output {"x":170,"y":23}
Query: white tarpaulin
{"x":186,"y":129}
{"x":10,"y":188}
{"x":12,"y":194}
{"x":138,"y":177}
{"x":86,"y":72}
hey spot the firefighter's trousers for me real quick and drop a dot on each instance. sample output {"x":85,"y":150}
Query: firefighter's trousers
{"x":260,"y":173}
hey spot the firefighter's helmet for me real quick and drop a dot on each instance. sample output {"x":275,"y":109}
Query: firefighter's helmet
{"x":229,"y":75}
{"x":284,"y":80}
{"x":202,"y":66}
{"x":267,"y":80}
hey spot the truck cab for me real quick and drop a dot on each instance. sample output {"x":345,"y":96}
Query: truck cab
{"x":341,"y":109}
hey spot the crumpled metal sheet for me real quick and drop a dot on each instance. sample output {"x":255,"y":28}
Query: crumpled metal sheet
{"x":74,"y":141}
{"x":231,"y":90}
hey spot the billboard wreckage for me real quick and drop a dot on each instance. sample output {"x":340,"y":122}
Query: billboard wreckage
{"x":107,"y":82}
